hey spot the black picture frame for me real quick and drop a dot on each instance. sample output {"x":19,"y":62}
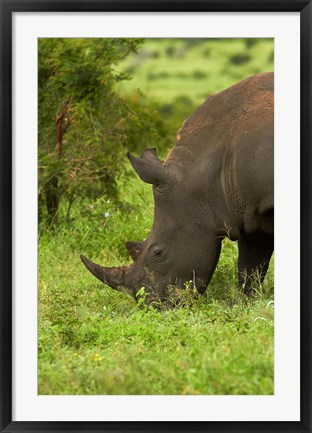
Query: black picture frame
{"x":7,"y":10}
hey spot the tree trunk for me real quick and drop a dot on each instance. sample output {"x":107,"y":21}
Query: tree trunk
{"x":53,"y":195}
{"x":52,"y":201}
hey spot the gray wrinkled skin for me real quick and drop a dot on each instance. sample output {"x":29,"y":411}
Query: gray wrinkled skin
{"x":217,"y":181}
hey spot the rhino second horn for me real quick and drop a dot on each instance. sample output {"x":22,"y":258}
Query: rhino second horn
{"x":134,"y":249}
{"x":113,"y":277}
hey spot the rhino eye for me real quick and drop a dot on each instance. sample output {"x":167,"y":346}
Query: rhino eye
{"x":159,"y":254}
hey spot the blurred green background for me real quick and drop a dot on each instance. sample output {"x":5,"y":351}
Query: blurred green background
{"x":99,"y":98}
{"x":168,"y":69}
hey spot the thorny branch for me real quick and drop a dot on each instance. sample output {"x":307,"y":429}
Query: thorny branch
{"x":63,"y":120}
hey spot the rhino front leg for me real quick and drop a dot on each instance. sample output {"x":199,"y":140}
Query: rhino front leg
{"x":255,"y":251}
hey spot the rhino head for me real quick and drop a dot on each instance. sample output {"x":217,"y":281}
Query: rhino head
{"x":181,"y":246}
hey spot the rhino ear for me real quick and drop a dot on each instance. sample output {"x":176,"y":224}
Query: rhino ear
{"x":134,"y":249}
{"x":150,"y":155}
{"x":149,"y":168}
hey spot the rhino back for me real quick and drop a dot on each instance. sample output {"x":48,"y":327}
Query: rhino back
{"x":235,"y":107}
{"x":227,"y":147}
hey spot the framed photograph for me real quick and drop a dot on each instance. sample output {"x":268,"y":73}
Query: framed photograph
{"x":155,"y":216}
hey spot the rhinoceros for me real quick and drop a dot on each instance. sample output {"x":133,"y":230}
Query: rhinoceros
{"x":218,"y":181}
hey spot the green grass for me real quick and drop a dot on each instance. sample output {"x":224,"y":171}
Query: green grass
{"x":93,"y":340}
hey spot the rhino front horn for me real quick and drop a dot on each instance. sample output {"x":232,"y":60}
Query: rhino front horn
{"x":113,"y":277}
